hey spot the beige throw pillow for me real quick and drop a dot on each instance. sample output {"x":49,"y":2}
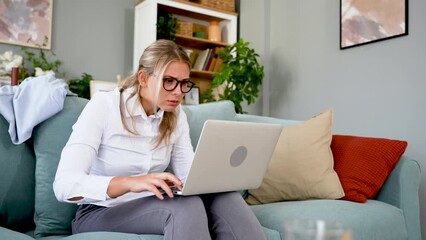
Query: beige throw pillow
{"x":302,"y":164}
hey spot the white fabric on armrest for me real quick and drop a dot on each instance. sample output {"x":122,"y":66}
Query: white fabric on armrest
{"x":30,"y":103}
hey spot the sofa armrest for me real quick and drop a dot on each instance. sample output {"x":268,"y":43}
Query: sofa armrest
{"x":10,"y":234}
{"x":401,"y":189}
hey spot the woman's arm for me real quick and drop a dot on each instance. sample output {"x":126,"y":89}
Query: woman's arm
{"x":72,"y":181}
{"x":151,"y":182}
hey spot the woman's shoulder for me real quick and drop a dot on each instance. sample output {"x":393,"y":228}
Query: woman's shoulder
{"x":102,"y":102}
{"x":105,"y":97}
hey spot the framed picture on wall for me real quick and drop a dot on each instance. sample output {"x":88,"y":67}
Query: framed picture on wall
{"x":366,"y":21}
{"x":26,"y":23}
{"x":192,"y":97}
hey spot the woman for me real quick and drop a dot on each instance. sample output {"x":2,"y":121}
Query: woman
{"x":113,"y":164}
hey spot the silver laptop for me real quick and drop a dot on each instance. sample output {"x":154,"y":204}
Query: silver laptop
{"x":231,"y":156}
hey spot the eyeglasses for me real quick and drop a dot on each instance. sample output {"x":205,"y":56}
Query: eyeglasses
{"x":170,"y":84}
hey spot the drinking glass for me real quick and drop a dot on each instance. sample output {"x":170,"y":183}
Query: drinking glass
{"x":307,"y":229}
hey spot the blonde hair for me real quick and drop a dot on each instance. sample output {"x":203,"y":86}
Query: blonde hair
{"x":153,"y":62}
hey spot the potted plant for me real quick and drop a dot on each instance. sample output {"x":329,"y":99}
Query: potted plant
{"x":167,"y":26}
{"x":81,"y":86}
{"x":239,"y":78}
{"x":37,"y":62}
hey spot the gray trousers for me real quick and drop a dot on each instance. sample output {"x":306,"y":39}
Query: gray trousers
{"x":211,"y":216}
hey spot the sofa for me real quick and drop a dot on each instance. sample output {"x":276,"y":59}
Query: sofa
{"x":29,"y":209}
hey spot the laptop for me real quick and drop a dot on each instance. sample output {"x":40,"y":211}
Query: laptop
{"x":231,"y":156}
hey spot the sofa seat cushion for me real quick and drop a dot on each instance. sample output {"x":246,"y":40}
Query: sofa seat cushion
{"x":270,"y":234}
{"x":9,"y":234}
{"x":105,"y":236}
{"x":370,"y":220}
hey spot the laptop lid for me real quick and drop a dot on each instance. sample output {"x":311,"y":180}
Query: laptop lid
{"x":231,"y":156}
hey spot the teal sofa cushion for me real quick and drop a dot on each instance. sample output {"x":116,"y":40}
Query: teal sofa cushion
{"x":198,"y":114}
{"x":105,"y":236}
{"x":7,"y":234}
{"x":269,"y":233}
{"x":370,"y":220}
{"x":52,"y":217}
{"x":17,"y":163}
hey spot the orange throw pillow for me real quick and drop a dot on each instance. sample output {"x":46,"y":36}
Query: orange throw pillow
{"x":364,"y":163}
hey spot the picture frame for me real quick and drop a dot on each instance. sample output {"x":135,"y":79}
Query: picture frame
{"x":26,"y":23}
{"x":193,"y":97}
{"x":365,"y":21}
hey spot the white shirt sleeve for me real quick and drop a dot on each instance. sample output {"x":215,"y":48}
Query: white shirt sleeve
{"x":72,"y":176}
{"x":73,"y":179}
{"x":182,"y":153}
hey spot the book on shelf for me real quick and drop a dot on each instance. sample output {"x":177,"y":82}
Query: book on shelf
{"x":201,"y":59}
{"x":209,"y":54}
{"x":193,"y":56}
{"x":209,"y":61}
{"x":212,"y":64}
{"x":218,"y":62}
{"x":217,"y":65}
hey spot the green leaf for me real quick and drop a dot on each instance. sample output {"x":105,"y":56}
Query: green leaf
{"x":242,"y":73}
{"x":81,"y":86}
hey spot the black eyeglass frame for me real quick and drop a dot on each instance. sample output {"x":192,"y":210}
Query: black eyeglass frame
{"x":178,"y":82}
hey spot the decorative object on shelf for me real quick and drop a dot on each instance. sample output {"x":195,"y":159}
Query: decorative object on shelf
{"x":200,"y":35}
{"x":16,"y":16}
{"x":185,"y":28}
{"x":365,"y":21}
{"x":240,"y":76}
{"x":167,"y":26}
{"x":224,"y":5}
{"x":15,"y":76}
{"x":200,"y":31}
{"x":215,"y":33}
{"x":8,"y":61}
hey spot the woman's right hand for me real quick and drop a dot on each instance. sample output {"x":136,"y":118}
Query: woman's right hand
{"x":152,"y":182}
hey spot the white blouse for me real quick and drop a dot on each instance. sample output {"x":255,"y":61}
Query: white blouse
{"x":100,"y":148}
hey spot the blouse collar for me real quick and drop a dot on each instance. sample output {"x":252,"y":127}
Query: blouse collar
{"x":134,"y":107}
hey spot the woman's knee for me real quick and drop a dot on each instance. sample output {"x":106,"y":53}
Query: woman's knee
{"x":226,"y":198}
{"x":190,"y":207}
{"x":189,"y":219}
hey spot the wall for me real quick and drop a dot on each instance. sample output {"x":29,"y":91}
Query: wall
{"x":92,"y":36}
{"x":253,"y":30}
{"x":376,"y":90}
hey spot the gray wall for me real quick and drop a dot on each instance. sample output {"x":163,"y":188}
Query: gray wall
{"x":92,"y":36}
{"x":376,"y":90}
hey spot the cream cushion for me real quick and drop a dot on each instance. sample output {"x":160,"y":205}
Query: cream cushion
{"x":302,"y":164}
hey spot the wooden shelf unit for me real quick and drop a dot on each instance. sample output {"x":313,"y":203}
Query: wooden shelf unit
{"x":199,"y":43}
{"x":146,"y":31}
